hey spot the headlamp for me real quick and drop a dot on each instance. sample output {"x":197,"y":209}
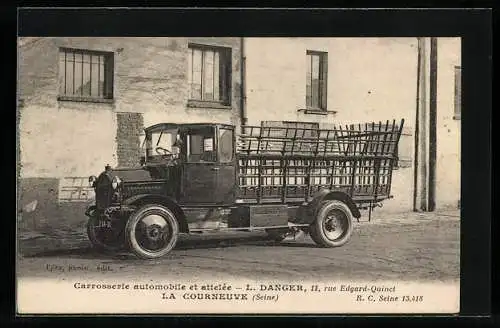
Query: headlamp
{"x":92,"y":180}
{"x":116,"y":182}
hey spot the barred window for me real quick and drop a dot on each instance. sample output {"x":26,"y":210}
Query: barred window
{"x":85,"y":74}
{"x":316,"y":80}
{"x":209,"y":73}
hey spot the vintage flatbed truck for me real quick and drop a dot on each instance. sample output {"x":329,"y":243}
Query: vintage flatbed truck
{"x":277,"y":179}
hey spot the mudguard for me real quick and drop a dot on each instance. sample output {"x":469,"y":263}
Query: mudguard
{"x":143,"y":199}
{"x":326,"y":194}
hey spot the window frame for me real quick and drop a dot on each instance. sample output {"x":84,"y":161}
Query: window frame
{"x":220,"y":158}
{"x":225,"y":56}
{"x":188,"y":133}
{"x":322,"y":78}
{"x":107,"y":95}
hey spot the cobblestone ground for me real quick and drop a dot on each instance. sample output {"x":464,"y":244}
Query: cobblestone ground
{"x":408,"y":246}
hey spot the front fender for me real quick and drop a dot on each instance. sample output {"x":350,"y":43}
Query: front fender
{"x":144,"y":199}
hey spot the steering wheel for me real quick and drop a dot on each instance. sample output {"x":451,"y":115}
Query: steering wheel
{"x":162,"y":151}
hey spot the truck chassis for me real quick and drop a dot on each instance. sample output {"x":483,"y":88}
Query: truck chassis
{"x":279,"y":179}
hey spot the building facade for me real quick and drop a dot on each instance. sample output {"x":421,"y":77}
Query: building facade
{"x":330,"y":81}
{"x":84,"y":101}
{"x":325,"y":81}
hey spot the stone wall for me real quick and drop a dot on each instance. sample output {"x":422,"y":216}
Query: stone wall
{"x":62,"y":142}
{"x":129,"y":127}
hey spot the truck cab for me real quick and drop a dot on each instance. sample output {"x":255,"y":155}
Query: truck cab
{"x":199,"y":158}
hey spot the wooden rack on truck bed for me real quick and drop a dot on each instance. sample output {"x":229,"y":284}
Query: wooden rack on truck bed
{"x":281,"y":164}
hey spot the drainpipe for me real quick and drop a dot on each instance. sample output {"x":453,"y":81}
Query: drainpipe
{"x":432,"y":126}
{"x":243,"y":97}
{"x":416,"y":161}
{"x":423,"y":127}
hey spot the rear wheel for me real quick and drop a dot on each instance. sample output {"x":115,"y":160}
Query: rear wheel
{"x":152,"y":231}
{"x":333,"y":224}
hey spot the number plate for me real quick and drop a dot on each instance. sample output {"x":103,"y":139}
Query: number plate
{"x":103,"y":224}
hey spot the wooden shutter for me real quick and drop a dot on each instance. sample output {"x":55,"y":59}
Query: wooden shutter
{"x":324,"y":81}
{"x":109,"y":76}
{"x":225,"y":76}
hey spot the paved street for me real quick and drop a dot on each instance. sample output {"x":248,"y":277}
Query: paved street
{"x":406,"y":247}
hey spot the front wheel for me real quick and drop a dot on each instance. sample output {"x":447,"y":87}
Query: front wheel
{"x":152,"y":231}
{"x":333,"y":224}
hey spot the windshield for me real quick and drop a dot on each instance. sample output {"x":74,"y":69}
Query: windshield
{"x":160,"y":143}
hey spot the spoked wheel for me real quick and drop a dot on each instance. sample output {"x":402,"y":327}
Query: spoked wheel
{"x":106,"y":239}
{"x":152,"y":231}
{"x":333,"y":224}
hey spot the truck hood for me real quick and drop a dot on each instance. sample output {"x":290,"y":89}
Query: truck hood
{"x":128,"y":174}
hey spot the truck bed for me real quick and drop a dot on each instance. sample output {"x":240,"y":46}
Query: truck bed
{"x":282,"y":164}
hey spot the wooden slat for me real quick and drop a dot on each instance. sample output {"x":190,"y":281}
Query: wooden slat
{"x":296,"y":161}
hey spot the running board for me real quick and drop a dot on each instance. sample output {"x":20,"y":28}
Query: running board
{"x":291,"y":225}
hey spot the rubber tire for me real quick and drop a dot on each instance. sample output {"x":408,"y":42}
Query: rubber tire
{"x":98,"y":244}
{"x":316,"y":229}
{"x":276,"y":235}
{"x":132,"y":221}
